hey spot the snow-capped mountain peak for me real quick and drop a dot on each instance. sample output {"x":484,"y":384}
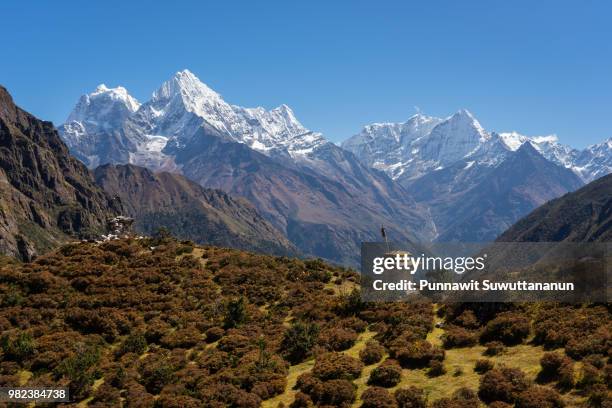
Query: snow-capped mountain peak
{"x":193,"y":92}
{"x":463,"y":122}
{"x":104,"y":105}
{"x":513,"y":140}
{"x":176,"y":112}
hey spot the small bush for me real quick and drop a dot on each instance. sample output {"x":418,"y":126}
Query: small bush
{"x":415,"y":354}
{"x":18,"y":349}
{"x":499,"y":404}
{"x":236,"y":313}
{"x":411,"y":397}
{"x":372,"y":353}
{"x":483,"y":365}
{"x":494,"y":348}
{"x":334,"y":366}
{"x":551,"y":363}
{"x":462,"y":398}
{"x":337,"y":338}
{"x":456,"y":336}
{"x":539,"y":397}
{"x":510,"y":328}
{"x":502,"y":385}
{"x":599,"y":397}
{"x":377,"y":397}
{"x":213,"y":334}
{"x":299,"y":341}
{"x":301,"y":400}
{"x":436,"y":368}
{"x":386,"y":375}
{"x":134,"y":343}
{"x":590,"y":376}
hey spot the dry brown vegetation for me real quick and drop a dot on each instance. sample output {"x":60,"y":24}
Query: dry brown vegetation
{"x":162,"y":323}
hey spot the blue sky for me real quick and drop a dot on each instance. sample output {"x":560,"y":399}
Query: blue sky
{"x":538,"y":67}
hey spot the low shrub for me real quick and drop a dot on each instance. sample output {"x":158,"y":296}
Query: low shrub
{"x":503,"y":384}
{"x":214,"y":333}
{"x":539,"y":397}
{"x":456,"y":336}
{"x":372,"y":353}
{"x":483,"y":365}
{"x":377,"y":397}
{"x":436,"y":368}
{"x":462,"y":398}
{"x":415,"y":354}
{"x":509,"y":327}
{"x":494,"y":348}
{"x":134,"y":343}
{"x":337,"y":338}
{"x":299,"y":340}
{"x":411,"y":397}
{"x":334,"y":366}
{"x":386,"y":375}
{"x":590,"y":376}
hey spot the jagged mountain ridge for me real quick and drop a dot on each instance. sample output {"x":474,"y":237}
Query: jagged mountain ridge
{"x":46,"y":196}
{"x":403,"y":150}
{"x":190,"y":211}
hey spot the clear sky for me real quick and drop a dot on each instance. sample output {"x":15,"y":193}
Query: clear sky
{"x":538,"y":67}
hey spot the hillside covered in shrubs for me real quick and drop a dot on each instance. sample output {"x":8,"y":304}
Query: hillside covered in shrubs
{"x":160,"y":323}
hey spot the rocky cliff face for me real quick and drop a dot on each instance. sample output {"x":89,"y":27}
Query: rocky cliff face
{"x":46,"y":195}
{"x":190,"y":211}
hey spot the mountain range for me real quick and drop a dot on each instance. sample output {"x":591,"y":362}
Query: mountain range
{"x":319,"y":195}
{"x":425,"y":179}
{"x":424,"y":144}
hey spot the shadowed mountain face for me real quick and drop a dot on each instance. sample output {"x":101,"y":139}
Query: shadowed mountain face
{"x":582,"y":216}
{"x":190,"y":211}
{"x":473,"y":203}
{"x":46,"y":195}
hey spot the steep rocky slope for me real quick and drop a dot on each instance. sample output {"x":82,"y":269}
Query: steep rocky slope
{"x":190,"y":211}
{"x":582,"y":216}
{"x":46,"y":195}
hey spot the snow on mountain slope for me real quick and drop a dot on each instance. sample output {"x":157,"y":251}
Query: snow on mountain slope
{"x":172,"y":109}
{"x":423,"y":144}
{"x":92,"y":128}
{"x":383,"y":145}
{"x":438,"y":143}
{"x":174,"y":114}
{"x":590,"y":163}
